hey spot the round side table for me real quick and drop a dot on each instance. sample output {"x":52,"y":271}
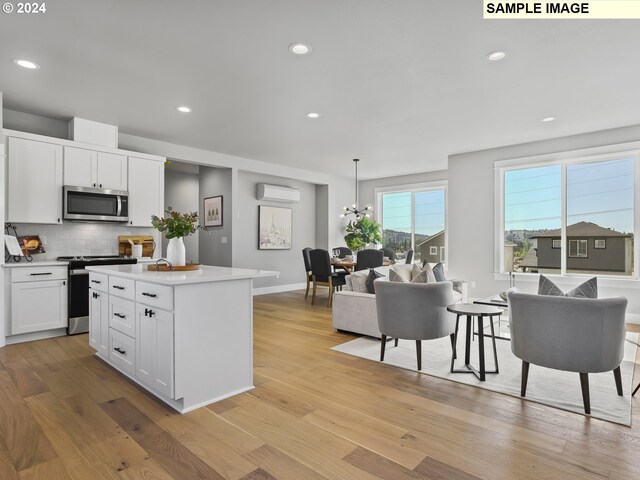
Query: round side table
{"x":471,"y":310}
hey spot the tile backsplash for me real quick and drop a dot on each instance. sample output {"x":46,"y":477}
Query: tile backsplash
{"x":80,"y":238}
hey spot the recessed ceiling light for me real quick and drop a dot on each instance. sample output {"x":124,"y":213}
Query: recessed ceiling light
{"x":183,"y":109}
{"x":313,"y":115}
{"x":26,"y":64}
{"x":299,"y":48}
{"x":497,"y":55}
{"x":548,"y":119}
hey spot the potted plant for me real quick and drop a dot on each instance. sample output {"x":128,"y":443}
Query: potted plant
{"x":362,"y":233}
{"x":175,"y":226}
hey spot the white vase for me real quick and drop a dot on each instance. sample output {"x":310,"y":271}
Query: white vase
{"x":176,"y":252}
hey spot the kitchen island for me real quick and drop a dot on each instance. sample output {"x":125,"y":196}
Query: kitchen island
{"x":186,"y":337}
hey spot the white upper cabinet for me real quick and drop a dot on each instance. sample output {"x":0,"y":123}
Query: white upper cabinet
{"x":146,"y":191}
{"x":88,"y":168}
{"x":34,"y":182}
{"x":112,"y":171}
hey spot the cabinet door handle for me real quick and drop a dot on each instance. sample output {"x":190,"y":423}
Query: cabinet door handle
{"x":58,"y":220}
{"x":152,"y":295}
{"x":36,"y":274}
{"x":100,"y":185}
{"x":96,"y":281}
{"x":119,"y":315}
{"x":148,"y":312}
{"x":119,"y":287}
{"x":95,"y":295}
{"x":120,"y":351}
{"x":94,"y":184}
{"x":64,"y":282}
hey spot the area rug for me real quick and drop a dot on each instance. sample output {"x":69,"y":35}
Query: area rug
{"x":546,"y":386}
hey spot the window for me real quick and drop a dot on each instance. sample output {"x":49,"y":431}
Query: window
{"x":578,"y":248}
{"x":598,"y":195}
{"x":414,"y":219}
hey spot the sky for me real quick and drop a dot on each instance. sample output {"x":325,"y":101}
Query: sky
{"x":429,"y":209}
{"x":598,"y":192}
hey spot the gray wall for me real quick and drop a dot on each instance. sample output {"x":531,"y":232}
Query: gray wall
{"x":181,"y":192}
{"x":26,"y":122}
{"x":213,"y":182}
{"x":287,"y":262}
{"x":322,"y":217}
{"x":471,"y":207}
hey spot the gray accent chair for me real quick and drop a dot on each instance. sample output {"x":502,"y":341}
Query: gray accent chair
{"x":414,"y":312}
{"x":583,"y":335}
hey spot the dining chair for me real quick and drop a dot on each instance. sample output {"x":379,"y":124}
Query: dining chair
{"x":342,"y":251}
{"x":307,"y":268}
{"x":369,"y":258}
{"x":389,"y":253}
{"x":409,"y":258}
{"x":322,"y":275}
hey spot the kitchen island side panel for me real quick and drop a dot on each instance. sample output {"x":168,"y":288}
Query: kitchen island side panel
{"x":213,"y":340}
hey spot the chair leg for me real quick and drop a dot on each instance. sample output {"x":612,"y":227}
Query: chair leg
{"x":313,"y":296}
{"x":383,"y":343}
{"x":525,"y":377}
{"x":636,"y":389}
{"x":396,"y":342}
{"x":419,"y":353}
{"x":330,"y":299}
{"x":584,"y":383}
{"x":618,"y":376}
{"x":306,"y":293}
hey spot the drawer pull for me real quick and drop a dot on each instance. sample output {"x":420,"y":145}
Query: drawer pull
{"x":119,"y":315}
{"x":152,"y":295}
{"x":35,"y":274}
{"x":96,"y":281}
{"x":119,"y":287}
{"x":120,"y":351}
{"x":149,"y":313}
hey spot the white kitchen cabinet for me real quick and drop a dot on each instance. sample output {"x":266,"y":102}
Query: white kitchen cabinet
{"x":34,"y":182}
{"x":89,"y":168}
{"x":146,"y":191}
{"x":99,"y":322}
{"x":38,"y":305}
{"x":154,"y":348}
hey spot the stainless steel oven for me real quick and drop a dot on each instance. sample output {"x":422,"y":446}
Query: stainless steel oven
{"x":95,"y":204}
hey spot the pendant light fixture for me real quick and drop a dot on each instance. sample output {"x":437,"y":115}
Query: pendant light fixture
{"x":354,"y":209}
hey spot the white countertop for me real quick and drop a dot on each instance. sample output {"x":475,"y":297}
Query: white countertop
{"x":35,"y":263}
{"x":205,"y":274}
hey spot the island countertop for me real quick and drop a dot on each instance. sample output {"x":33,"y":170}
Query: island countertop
{"x":206,"y":274}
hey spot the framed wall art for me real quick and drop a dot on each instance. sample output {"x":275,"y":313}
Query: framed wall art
{"x":213,"y":211}
{"x":274,"y":228}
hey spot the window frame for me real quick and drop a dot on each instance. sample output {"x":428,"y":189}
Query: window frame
{"x":414,"y":188}
{"x":564,"y":159}
{"x":578,"y":243}
{"x":553,"y":243}
{"x":604,"y":244}
{"x":431,"y":250}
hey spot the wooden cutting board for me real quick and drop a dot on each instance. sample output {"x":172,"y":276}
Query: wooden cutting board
{"x":148,"y":245}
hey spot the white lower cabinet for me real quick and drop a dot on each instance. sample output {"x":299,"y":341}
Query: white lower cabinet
{"x":99,"y":322}
{"x":38,"y":299}
{"x":154,"y":348}
{"x":134,"y":337}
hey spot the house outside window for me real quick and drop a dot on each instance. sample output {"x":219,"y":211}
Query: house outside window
{"x":413,"y":217}
{"x":552,"y":212}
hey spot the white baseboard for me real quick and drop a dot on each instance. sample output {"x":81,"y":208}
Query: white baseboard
{"x":279,"y":288}
{"x":29,"y":337}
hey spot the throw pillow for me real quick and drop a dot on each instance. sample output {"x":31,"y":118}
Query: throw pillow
{"x":359,"y":281}
{"x":438,"y":272}
{"x":420,"y":278}
{"x":397,"y":274}
{"x":371,"y":278}
{"x":416,"y":271}
{"x":588,"y":289}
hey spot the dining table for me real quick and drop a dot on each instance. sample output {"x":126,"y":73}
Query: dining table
{"x":350,"y":265}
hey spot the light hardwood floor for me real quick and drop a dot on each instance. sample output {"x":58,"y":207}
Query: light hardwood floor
{"x":315,"y":414}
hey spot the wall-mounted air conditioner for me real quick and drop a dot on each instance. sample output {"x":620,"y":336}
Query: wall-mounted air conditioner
{"x":277,"y":193}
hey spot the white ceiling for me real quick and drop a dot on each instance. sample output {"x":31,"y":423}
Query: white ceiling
{"x":400,"y":84}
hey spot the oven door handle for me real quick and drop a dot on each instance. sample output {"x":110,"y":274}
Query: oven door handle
{"x":79,"y":271}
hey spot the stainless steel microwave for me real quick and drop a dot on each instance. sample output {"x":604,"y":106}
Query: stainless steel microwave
{"x":95,"y":204}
